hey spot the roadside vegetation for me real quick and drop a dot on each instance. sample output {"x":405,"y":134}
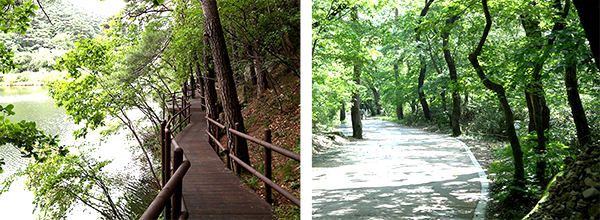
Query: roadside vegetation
{"x":518,"y":76}
{"x":105,"y":71}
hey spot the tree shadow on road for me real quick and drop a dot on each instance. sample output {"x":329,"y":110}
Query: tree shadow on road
{"x":447,"y":199}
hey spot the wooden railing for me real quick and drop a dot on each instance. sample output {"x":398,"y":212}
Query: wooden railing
{"x":170,"y":200}
{"x":268,"y":148}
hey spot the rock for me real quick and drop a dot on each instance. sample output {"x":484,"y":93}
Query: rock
{"x":573,"y":198}
{"x":555,"y":210}
{"x":563,"y":197}
{"x":571,"y":204}
{"x":594,"y":210}
{"x":576,"y":215}
{"x":581,"y":204}
{"x":591,"y":183}
{"x":590,"y":193}
{"x":575,"y":193}
{"x":572,"y":176}
{"x":596,"y":168}
{"x":569,"y":160}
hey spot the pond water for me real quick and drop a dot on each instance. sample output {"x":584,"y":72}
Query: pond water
{"x":33,"y":104}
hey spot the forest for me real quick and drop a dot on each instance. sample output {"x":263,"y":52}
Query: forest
{"x":49,"y":37}
{"x":521,"y":73}
{"x":109,"y":71}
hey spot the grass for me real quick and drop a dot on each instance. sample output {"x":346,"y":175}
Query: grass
{"x":292,"y":213}
{"x":253,"y":182}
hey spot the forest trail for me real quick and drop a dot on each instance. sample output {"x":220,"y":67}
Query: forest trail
{"x":397,"y":173}
{"x":212,"y":191}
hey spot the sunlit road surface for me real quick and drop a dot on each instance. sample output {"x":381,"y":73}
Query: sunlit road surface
{"x":395,"y":173}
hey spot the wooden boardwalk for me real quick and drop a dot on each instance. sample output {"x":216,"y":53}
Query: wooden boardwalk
{"x":210,"y":190}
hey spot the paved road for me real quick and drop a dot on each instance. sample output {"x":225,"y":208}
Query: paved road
{"x":395,"y":173}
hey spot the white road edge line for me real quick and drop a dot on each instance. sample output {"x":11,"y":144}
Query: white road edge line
{"x":484,"y":195}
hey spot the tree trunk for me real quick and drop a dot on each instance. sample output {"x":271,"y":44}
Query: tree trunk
{"x":355,"y":110}
{"x":261,"y":77}
{"x":421,"y":93}
{"x":343,"y":112}
{"x":455,"y":117}
{"x":228,"y":93}
{"x":400,"y":100}
{"x":372,"y":108}
{"x":519,"y":176}
{"x":466,"y":99}
{"x":192,"y":81}
{"x":210,"y":92}
{"x":423,"y":65}
{"x":250,"y":71}
{"x":399,"y":112}
{"x":579,"y":117}
{"x":377,"y":98}
{"x":201,"y":83}
{"x":443,"y":97}
{"x":539,"y":113}
{"x":588,"y":15}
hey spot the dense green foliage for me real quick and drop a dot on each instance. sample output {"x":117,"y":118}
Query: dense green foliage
{"x":13,"y":17}
{"x":49,"y":37}
{"x":531,"y":64}
{"x":94,"y":88}
{"x":27,"y":137}
{"x":24,"y":135}
{"x":144,"y":55}
{"x":61,"y":181}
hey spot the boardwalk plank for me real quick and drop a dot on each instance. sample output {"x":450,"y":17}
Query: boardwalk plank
{"x":210,"y":190}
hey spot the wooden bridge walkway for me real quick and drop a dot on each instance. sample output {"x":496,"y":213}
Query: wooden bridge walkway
{"x":210,"y":190}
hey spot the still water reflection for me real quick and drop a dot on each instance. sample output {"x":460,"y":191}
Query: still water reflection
{"x":33,"y":104}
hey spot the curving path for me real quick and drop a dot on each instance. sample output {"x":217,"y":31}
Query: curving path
{"x":397,"y":173}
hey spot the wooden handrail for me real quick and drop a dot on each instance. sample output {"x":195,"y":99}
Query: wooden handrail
{"x":180,"y":122}
{"x":162,"y":198}
{"x":277,"y":149}
{"x":172,"y":186}
{"x":215,"y":122}
{"x":266,"y":178}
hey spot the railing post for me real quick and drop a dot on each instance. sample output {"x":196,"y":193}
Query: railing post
{"x":268,"y":166}
{"x":237,"y":148}
{"x":179,"y":116}
{"x":227,"y":147}
{"x":211,"y":131}
{"x":167,"y":211}
{"x":189,"y":113}
{"x":174,"y":101}
{"x":177,"y":160}
{"x":163,"y":124}
{"x":184,"y":90}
